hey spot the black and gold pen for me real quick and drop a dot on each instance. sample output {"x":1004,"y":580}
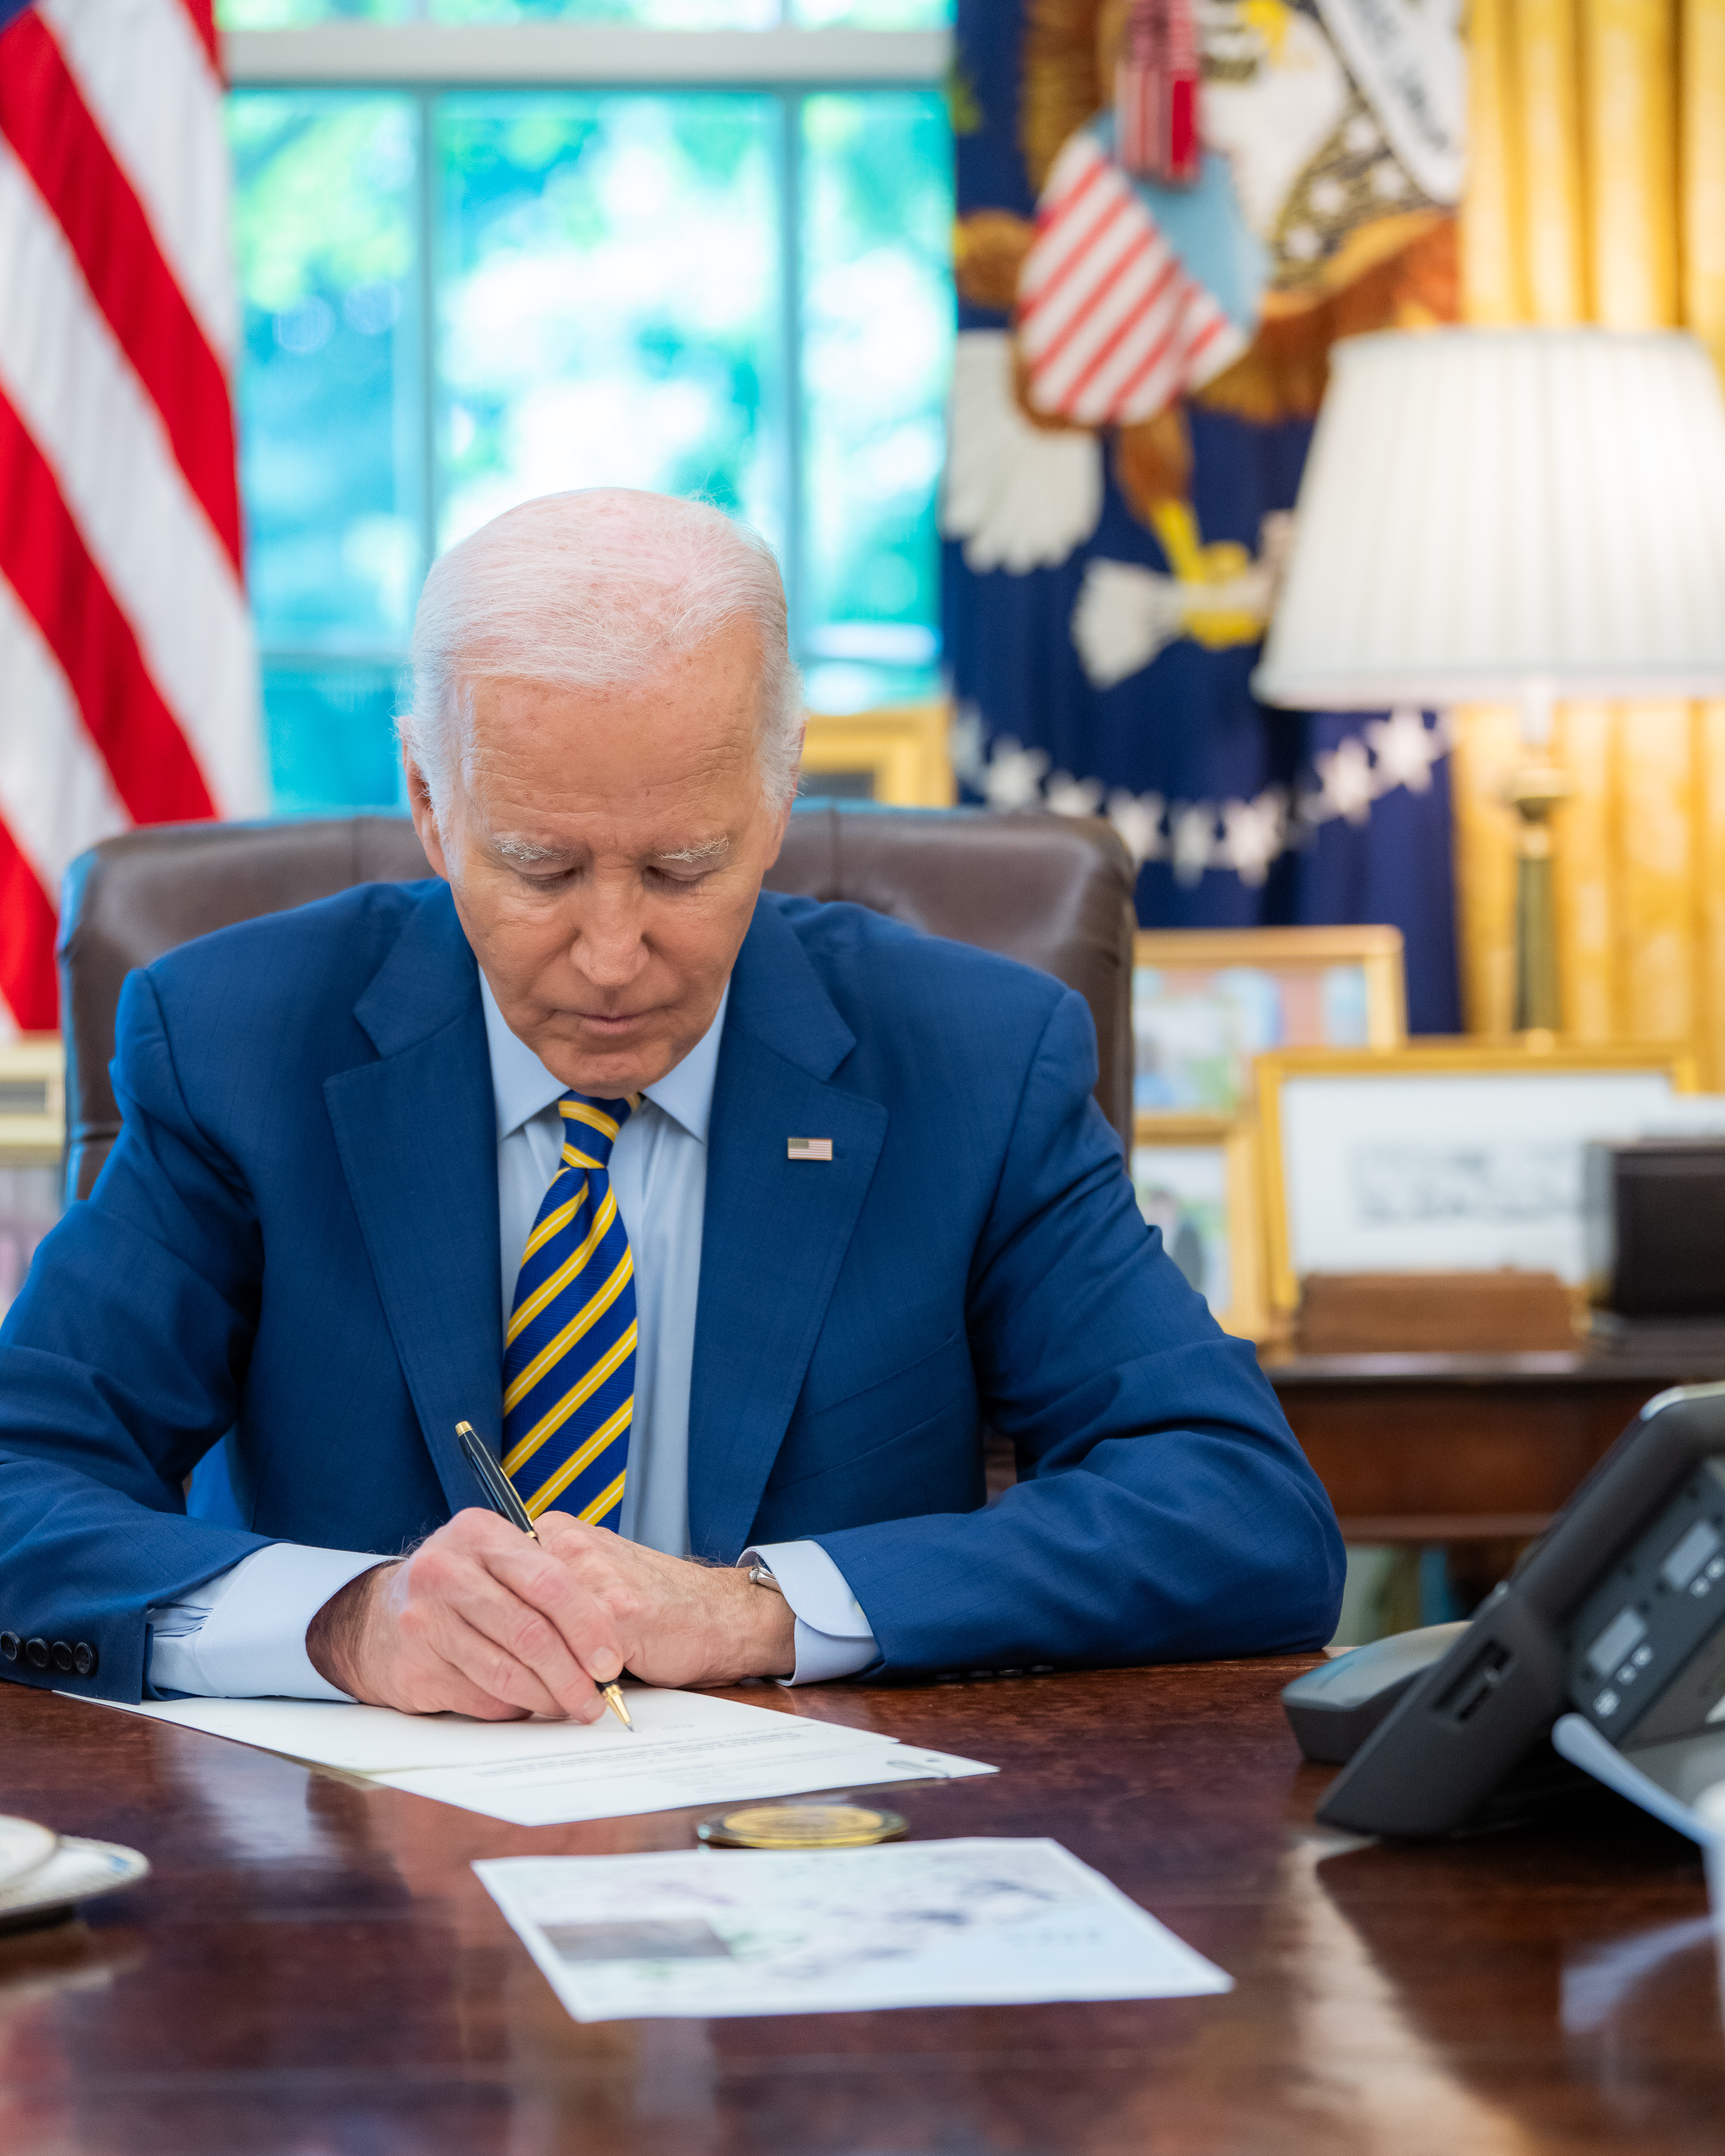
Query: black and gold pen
{"x":504,"y":1498}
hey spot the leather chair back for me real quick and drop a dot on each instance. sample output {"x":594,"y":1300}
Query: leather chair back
{"x":129,"y":899}
{"x":1054,"y":893}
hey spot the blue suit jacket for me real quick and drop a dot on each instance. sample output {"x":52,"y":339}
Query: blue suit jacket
{"x":294,"y":1245}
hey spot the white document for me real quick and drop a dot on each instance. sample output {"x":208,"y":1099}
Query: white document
{"x":377,"y":1740}
{"x":623,"y":1778}
{"x":705,"y":1933}
{"x":686,"y":1748}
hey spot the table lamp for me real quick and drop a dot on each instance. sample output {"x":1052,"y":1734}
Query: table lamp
{"x":1516,"y":515}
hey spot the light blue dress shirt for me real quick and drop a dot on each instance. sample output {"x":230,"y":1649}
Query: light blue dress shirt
{"x":242,"y":1635}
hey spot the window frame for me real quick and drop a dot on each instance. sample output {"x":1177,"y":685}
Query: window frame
{"x":423,"y":60}
{"x":582,"y":56}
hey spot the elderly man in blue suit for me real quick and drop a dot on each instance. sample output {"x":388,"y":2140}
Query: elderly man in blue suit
{"x":727,"y":1219}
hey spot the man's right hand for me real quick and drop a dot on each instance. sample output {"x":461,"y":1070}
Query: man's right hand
{"x":480,"y":1619}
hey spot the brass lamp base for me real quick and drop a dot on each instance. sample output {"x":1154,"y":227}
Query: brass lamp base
{"x":1533,"y":794}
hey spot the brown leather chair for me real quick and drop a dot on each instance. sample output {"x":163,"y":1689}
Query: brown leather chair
{"x":1055,"y":892}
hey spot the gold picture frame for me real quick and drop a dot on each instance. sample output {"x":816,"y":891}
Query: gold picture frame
{"x":1227,"y":1229}
{"x":1479,"y":1125}
{"x":899,"y":755}
{"x":1194,"y":1050}
{"x":33,"y":1145}
{"x":32,"y":1100}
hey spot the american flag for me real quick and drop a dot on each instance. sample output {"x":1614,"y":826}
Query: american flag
{"x":1111,"y":327}
{"x":128,"y":677}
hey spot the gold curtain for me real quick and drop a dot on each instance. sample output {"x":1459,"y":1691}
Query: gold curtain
{"x":1596,"y":193}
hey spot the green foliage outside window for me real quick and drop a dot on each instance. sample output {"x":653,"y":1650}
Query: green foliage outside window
{"x":457,"y":299}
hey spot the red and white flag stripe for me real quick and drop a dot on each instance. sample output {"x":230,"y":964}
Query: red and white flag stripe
{"x":1111,"y":325}
{"x":128,"y":675}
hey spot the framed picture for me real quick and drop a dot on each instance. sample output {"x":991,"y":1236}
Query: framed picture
{"x":897,"y":755}
{"x":1196,"y":1179}
{"x":1454,"y":1156}
{"x":33,"y":1141}
{"x":1205,"y":1002}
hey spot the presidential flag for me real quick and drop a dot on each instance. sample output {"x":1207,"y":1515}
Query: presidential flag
{"x":128,"y":678}
{"x":1158,"y":242}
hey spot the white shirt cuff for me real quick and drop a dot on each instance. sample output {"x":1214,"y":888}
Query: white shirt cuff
{"x":242,"y":1635}
{"x":834,"y":1635}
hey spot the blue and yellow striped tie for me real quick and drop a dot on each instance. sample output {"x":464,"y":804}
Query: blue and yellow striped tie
{"x":569,"y":1354}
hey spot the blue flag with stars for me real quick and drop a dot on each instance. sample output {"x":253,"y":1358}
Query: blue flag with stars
{"x":1138,"y":365}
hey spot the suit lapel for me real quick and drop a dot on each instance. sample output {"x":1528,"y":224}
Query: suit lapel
{"x":776,"y":1230}
{"x":417,"y":1135}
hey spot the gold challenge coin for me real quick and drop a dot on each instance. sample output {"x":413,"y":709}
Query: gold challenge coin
{"x":801,"y":1826}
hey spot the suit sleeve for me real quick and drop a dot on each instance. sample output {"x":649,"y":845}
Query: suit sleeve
{"x":1164,"y":1509}
{"x":121,"y":1362}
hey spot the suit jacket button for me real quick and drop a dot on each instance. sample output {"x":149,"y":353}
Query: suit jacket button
{"x":84,"y":1659}
{"x":62,"y":1653}
{"x":36,"y":1654}
{"x":10,"y":1644}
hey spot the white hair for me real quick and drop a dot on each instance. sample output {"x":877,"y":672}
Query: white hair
{"x":594,"y":589}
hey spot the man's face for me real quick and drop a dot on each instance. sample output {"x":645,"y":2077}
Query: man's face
{"x":605,"y":850}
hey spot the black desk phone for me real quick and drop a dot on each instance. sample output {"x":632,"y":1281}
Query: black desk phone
{"x":1605,"y":1647}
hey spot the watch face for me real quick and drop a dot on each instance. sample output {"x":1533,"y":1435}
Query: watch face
{"x":801,"y":1826}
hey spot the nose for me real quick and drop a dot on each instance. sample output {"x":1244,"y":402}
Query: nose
{"x":607,"y":945}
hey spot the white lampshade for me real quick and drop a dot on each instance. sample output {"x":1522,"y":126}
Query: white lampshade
{"x":1499,"y":514}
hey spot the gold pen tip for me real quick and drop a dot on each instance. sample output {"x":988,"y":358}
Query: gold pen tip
{"x":613,"y":1699}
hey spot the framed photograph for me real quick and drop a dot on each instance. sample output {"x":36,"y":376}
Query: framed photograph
{"x":1196,"y":1179}
{"x":33,"y":1143}
{"x":1205,"y":1002}
{"x":897,"y":755}
{"x":1454,"y":1156}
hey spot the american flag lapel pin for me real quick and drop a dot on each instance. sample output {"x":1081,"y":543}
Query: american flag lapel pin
{"x":809,"y":1149}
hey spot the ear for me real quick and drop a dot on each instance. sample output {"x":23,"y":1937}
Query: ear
{"x":785,"y":814}
{"x":423,"y":815}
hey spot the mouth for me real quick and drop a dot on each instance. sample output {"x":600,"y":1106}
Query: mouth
{"x":610,"y":1024}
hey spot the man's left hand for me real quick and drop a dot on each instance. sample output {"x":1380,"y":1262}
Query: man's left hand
{"x":679,"y":1623}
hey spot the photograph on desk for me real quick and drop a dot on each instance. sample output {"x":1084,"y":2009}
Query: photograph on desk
{"x":1454,"y":1157}
{"x":1206,"y":1001}
{"x":965,"y":1922}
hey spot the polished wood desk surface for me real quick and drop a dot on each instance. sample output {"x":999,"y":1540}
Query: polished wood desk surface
{"x":314,"y":1968}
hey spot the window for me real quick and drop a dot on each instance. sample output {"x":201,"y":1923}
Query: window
{"x":623,"y":246}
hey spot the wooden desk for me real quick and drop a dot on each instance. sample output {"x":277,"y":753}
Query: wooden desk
{"x":313,"y":1968}
{"x":1446,"y":1448}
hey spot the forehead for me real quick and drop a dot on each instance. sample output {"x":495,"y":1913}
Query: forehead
{"x":665,"y":765}
{"x":705,"y":704}
{"x":711,"y":689}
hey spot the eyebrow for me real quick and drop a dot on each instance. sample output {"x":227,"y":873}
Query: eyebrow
{"x":523,"y":853}
{"x":701,"y":857}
